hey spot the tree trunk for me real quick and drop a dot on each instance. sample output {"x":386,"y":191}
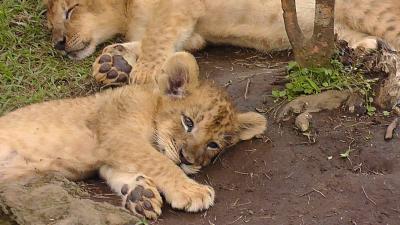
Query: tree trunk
{"x":318,"y":50}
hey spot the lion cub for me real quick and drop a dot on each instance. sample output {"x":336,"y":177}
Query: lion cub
{"x":142,"y":140}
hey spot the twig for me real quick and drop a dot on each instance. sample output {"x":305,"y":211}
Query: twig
{"x":396,"y":210}
{"x":290,"y":175}
{"x":319,"y":192}
{"x":242,"y":173}
{"x":367,"y":195}
{"x":267,"y":176}
{"x":242,"y":204}
{"x":313,"y":190}
{"x":235,"y":203}
{"x":247,"y":88}
{"x":309,"y":192}
{"x":236,"y":220}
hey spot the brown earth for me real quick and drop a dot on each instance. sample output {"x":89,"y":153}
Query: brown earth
{"x":287,"y":177}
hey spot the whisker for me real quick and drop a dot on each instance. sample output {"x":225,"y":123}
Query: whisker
{"x":168,"y":145}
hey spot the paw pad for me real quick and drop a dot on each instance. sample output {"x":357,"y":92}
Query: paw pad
{"x":112,"y":74}
{"x":148,"y":193}
{"x":121,"y":64}
{"x":104,"y":59}
{"x":136,"y":194}
{"x":142,"y":198}
{"x":105,"y":68}
{"x":112,"y":69}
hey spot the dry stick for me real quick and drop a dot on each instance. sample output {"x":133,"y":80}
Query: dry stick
{"x":247,"y":88}
{"x":242,"y":173}
{"x":235,"y":220}
{"x":319,"y":192}
{"x":367,"y":195}
{"x":313,"y":190}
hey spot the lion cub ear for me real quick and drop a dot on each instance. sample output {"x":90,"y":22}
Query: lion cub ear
{"x":251,"y":124}
{"x":179,"y":75}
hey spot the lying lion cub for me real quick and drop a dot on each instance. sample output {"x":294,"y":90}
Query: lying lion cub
{"x":163,"y":27}
{"x":142,"y":141}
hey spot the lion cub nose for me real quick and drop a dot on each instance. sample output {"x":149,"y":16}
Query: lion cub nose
{"x":60,"y":45}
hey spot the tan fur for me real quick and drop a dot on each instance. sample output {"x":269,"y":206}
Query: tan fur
{"x":136,"y":136}
{"x":167,"y":26}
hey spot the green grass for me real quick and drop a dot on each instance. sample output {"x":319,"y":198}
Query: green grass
{"x":30,"y":69}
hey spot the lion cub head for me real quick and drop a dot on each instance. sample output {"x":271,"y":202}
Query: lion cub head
{"x":78,"y":26}
{"x":196,"y":120}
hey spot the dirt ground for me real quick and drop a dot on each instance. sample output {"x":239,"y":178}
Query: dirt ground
{"x":288,"y":178}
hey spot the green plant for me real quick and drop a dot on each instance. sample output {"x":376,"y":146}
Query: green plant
{"x":386,"y":113}
{"x":306,"y":81}
{"x":370,"y":109}
{"x":142,"y":222}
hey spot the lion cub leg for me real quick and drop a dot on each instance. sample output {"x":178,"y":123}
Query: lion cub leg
{"x":115,"y":63}
{"x":139,"y":193}
{"x":358,"y":39}
{"x":171,"y":25}
{"x":178,"y":189}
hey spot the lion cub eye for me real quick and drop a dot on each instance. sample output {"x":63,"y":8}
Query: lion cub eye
{"x":187,"y":123}
{"x":213,"y":145}
{"x":69,"y":12}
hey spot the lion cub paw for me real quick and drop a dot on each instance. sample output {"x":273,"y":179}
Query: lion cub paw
{"x":142,"y":198}
{"x":192,"y":198}
{"x":115,"y":63}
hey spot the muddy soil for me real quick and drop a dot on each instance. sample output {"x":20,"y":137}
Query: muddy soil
{"x":287,"y":177}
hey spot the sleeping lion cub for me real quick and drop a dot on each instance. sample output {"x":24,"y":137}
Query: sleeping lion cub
{"x":161,"y":27}
{"x":142,"y":141}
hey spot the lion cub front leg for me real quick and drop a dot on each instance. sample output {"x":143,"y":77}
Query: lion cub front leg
{"x":178,"y":189}
{"x":115,"y":63}
{"x":171,"y":26}
{"x":188,"y":195}
{"x":139,"y":192}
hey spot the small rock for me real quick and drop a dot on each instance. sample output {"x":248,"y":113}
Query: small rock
{"x":303,"y":121}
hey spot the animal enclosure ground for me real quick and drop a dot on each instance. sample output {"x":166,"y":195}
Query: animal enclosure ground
{"x":285,"y":178}
{"x":280,"y":179}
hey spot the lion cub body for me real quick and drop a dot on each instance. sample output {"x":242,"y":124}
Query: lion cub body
{"x":66,"y":135}
{"x":162,"y":27}
{"x":173,"y":25}
{"x":141,"y":139}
